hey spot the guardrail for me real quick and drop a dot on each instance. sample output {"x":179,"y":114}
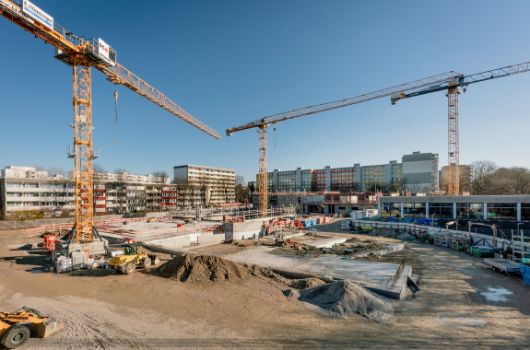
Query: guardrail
{"x":436,"y":232}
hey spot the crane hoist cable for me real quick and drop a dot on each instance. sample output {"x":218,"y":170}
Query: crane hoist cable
{"x":275,"y":136}
{"x":116,"y":97}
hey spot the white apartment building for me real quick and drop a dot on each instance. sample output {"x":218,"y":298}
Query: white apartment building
{"x":204,"y":186}
{"x":28,"y":193}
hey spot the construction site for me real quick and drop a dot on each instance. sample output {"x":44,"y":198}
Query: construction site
{"x":444,"y":270}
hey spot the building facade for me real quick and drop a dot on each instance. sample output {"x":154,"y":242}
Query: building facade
{"x":420,"y":172}
{"x":332,"y":202}
{"x":204,"y":186}
{"x":28,"y":193}
{"x":417,"y":173}
{"x":481,"y":207}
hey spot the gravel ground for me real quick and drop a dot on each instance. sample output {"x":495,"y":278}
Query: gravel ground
{"x":454,"y":309}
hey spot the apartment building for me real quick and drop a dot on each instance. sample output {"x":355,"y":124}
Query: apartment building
{"x":204,"y":186}
{"x":28,"y":193}
{"x":418,"y":172}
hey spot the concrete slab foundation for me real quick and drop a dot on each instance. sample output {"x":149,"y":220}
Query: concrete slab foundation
{"x":385,"y":278}
{"x":324,"y":242}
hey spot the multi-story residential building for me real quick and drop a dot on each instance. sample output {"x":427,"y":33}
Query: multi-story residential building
{"x":27,"y":193}
{"x":319,"y":179}
{"x":418,"y":172}
{"x":343,"y":179}
{"x":204,"y":186}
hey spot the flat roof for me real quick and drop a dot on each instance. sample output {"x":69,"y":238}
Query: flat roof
{"x":203,"y":166}
{"x":519,"y":198}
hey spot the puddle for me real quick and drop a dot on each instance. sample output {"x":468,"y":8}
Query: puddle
{"x":496,"y":294}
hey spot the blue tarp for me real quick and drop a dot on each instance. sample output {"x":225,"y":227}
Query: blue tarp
{"x":525,"y":272}
{"x":424,"y":222}
{"x":309,"y":222}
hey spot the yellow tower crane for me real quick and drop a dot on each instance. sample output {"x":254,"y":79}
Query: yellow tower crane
{"x":82,"y":54}
{"x":450,"y":82}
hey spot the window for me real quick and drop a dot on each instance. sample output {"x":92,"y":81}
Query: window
{"x":470,"y":210}
{"x":414,"y":210}
{"x":503,"y":211}
{"x":391,"y":209}
{"x":525,"y":211}
{"x":441,"y":210}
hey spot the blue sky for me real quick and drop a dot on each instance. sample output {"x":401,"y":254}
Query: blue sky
{"x":229,"y":62}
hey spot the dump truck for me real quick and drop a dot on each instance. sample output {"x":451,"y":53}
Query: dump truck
{"x":17,"y":327}
{"x":131,"y":257}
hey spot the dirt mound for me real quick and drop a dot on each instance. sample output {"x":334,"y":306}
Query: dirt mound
{"x":307,"y":283}
{"x":206,"y":268}
{"x":345,"y":298}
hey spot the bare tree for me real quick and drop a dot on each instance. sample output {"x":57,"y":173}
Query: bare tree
{"x":162,"y":175}
{"x":510,"y":181}
{"x":482,"y":176}
{"x":240,"y":180}
{"x":53,"y":171}
{"x":98,"y":168}
{"x":488,"y":179}
{"x":242,"y":194}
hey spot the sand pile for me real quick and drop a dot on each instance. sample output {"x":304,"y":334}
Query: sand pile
{"x":345,"y":298}
{"x":307,"y":283}
{"x":205,"y":268}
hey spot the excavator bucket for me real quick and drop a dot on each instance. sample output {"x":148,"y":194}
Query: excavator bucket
{"x":47,"y":328}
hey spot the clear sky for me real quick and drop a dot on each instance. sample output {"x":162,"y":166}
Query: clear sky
{"x":229,"y":62}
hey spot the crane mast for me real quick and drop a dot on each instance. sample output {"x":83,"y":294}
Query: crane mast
{"x":83,"y":153}
{"x":453,"y":153}
{"x":81,"y":55}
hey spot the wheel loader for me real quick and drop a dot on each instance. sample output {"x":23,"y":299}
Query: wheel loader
{"x":130,"y":258}
{"x":17,"y":327}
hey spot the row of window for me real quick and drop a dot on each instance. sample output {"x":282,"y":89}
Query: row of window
{"x":500,"y":211}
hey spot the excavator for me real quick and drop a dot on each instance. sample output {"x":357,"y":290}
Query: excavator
{"x":17,"y":327}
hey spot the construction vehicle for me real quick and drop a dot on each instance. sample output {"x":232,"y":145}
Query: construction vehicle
{"x":450,"y":82}
{"x":17,"y":327}
{"x":131,"y":257}
{"x":82,"y":54}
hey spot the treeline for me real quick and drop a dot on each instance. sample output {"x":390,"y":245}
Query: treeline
{"x":487,"y":178}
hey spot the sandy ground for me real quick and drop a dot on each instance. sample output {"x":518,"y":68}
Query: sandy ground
{"x":461,"y":305}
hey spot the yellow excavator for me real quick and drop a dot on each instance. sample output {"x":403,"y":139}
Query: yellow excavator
{"x":17,"y":327}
